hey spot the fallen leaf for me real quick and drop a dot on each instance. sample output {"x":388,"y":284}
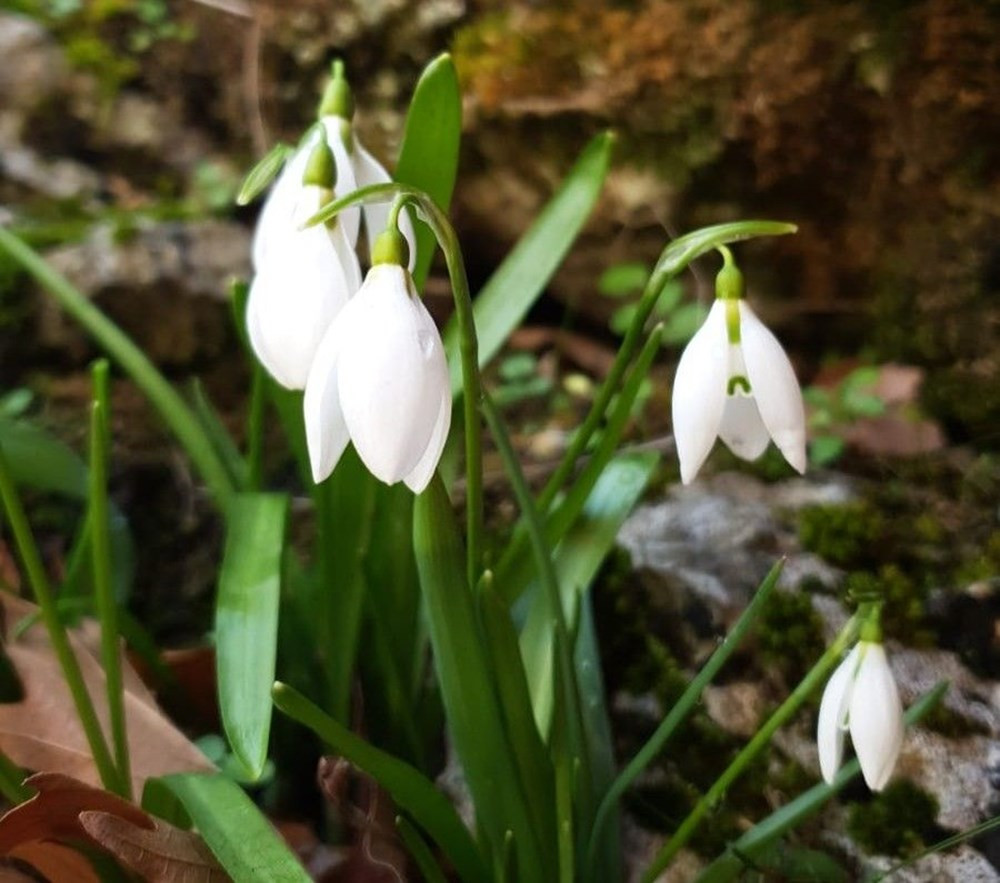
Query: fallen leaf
{"x":163,"y":853}
{"x":42,"y":732}
{"x":56,"y":862}
{"x":53,"y":813}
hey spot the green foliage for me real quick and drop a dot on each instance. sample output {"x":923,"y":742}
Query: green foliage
{"x":833,"y":409}
{"x":788,"y":634}
{"x":848,"y":534}
{"x":520,"y":380}
{"x":904,"y":615}
{"x":626,"y":281}
{"x":899,"y":822}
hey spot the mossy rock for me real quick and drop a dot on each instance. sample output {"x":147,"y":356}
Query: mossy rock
{"x":898,"y":822}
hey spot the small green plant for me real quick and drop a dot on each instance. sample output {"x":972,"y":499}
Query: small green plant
{"x":624,"y":282}
{"x":520,"y":379}
{"x":834,"y":408}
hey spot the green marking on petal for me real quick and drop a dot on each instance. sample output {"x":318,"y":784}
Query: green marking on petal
{"x":738,"y":382}
{"x":733,"y":321}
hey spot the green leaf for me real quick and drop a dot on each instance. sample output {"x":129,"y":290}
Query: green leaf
{"x":509,"y":293}
{"x":219,"y":436}
{"x":241,"y":838}
{"x":730,"y":865}
{"x":420,"y":852}
{"x":620,"y":280}
{"x":622,"y":318}
{"x":409,"y":788}
{"x":246,"y":622}
{"x":261,"y":175}
{"x":680,"y":327}
{"x":685,"y":249}
{"x":824,"y":449}
{"x":428,"y":158}
{"x":468,"y":689}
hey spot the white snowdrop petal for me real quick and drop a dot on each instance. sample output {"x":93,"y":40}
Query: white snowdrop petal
{"x":346,"y":183}
{"x":367,"y":171}
{"x":876,"y":717}
{"x":276,"y":215}
{"x":388,"y":375}
{"x":742,"y":429}
{"x":775,"y":388}
{"x":347,"y":257}
{"x":699,"y":393}
{"x":833,"y":710}
{"x":326,"y":431}
{"x":293,"y":299}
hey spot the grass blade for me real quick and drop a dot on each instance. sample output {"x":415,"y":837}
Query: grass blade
{"x":410,"y":789}
{"x":246,"y":622}
{"x":509,"y":293}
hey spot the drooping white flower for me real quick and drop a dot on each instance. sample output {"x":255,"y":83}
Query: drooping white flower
{"x":380,"y":380}
{"x":861,"y":697}
{"x":735,"y":382}
{"x":304,"y":277}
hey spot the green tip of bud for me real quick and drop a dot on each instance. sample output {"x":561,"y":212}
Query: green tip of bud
{"x":321,"y":168}
{"x":871,"y":625}
{"x":729,"y":281}
{"x":391,"y":248}
{"x":337,"y":100}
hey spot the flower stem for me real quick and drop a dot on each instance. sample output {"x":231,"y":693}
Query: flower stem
{"x":100,"y":550}
{"x":784,"y":712}
{"x":28,"y":552}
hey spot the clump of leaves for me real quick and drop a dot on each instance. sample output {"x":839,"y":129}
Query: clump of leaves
{"x":624,"y":282}
{"x":833,"y":408}
{"x":898,"y":822}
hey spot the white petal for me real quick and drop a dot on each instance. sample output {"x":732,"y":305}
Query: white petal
{"x":392,"y":374}
{"x":775,"y":388}
{"x":348,"y":259}
{"x":876,"y":717}
{"x":276,"y":217}
{"x":368,"y":170}
{"x":699,"y":394}
{"x":294,"y":297}
{"x":742,"y":429}
{"x":346,"y":183}
{"x":326,"y":431}
{"x":422,"y":473}
{"x":833,"y":711}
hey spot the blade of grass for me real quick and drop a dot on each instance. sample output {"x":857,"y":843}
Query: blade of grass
{"x":729,"y":865}
{"x":428,"y":158}
{"x":420,"y":852}
{"x":242,"y":839}
{"x":409,"y":788}
{"x":246,"y":622}
{"x":171,"y":406}
{"x":100,"y":556}
{"x":516,"y":284}
{"x":683,"y":707}
{"x":27,"y":551}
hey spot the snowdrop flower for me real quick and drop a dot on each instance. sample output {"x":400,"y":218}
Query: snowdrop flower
{"x":355,"y":168}
{"x":380,"y":379}
{"x":303,"y":280}
{"x":861,"y":697}
{"x":735,"y":382}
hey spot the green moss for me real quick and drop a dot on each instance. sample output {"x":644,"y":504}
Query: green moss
{"x":897,"y":822}
{"x":848,"y":535}
{"x":788,"y":634}
{"x":943,"y":720}
{"x":983,"y":565}
{"x":904,"y":615}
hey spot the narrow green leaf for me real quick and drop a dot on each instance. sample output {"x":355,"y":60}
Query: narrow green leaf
{"x":261,"y":175}
{"x":509,"y":293}
{"x":729,"y":865}
{"x":246,"y":622}
{"x":428,"y":158}
{"x":679,"y":253}
{"x":468,"y":689}
{"x":411,"y":790}
{"x":219,"y":436}
{"x":420,"y":852}
{"x":238,"y":834}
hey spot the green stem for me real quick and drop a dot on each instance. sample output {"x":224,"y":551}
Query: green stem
{"x":438,"y":221}
{"x":848,"y":634}
{"x":174,"y":411}
{"x":28,"y":552}
{"x":681,"y":709}
{"x":255,"y":428}
{"x":11,"y":781}
{"x":100,"y":549}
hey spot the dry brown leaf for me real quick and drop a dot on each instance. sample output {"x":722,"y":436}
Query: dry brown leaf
{"x":163,"y":853}
{"x":53,"y":813}
{"x":42,"y":731}
{"x":56,"y":862}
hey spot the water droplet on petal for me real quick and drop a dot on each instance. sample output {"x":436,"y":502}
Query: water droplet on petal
{"x":425,"y":339}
